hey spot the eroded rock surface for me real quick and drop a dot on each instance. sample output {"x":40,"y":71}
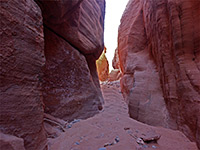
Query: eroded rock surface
{"x":140,"y":82}
{"x":69,"y":91}
{"x":159,"y":43}
{"x":73,"y":42}
{"x":54,"y":71}
{"x":79,"y":22}
{"x":21,"y":61}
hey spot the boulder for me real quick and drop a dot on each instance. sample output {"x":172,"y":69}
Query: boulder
{"x":9,"y":142}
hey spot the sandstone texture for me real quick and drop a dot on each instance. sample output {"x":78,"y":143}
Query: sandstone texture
{"x":140,"y":82}
{"x":159,"y":53}
{"x":21,"y":61}
{"x":73,"y":41}
{"x":103,"y":67}
{"x":114,"y":128}
{"x":115,"y":61}
{"x":48,"y":66}
{"x":114,"y":75}
{"x":69,"y":91}
{"x":8,"y":142}
{"x":79,"y":22}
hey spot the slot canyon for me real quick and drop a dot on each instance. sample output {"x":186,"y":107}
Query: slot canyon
{"x":56,"y":89}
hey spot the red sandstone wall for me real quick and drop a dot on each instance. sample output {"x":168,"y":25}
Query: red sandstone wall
{"x":21,"y":61}
{"x":159,"y":52}
{"x":54,"y":71}
{"x":73,"y":42}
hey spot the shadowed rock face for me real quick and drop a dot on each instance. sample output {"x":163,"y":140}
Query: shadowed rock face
{"x":79,"y":22}
{"x":159,"y":52}
{"x":54,"y":70}
{"x":8,"y":142}
{"x":69,"y":91}
{"x":21,"y":61}
{"x":73,"y":42}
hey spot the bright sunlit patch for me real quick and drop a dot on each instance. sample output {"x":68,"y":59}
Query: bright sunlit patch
{"x":114,"y":11}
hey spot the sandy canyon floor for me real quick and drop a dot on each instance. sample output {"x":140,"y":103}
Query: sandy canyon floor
{"x":113,"y":129}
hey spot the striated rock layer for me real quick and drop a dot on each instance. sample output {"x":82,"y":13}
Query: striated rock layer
{"x":21,"y":61}
{"x":54,"y":71}
{"x":73,"y":42}
{"x":159,"y":53}
{"x":79,"y":22}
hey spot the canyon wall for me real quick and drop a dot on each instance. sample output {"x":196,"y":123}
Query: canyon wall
{"x":159,"y":53}
{"x":21,"y":62}
{"x":73,"y":32}
{"x":48,"y":54}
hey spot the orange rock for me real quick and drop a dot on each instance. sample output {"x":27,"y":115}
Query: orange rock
{"x":102,"y":67}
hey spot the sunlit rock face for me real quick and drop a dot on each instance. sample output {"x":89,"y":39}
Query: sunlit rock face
{"x":103,"y":67}
{"x":21,"y":61}
{"x":73,"y":41}
{"x":159,"y":53}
